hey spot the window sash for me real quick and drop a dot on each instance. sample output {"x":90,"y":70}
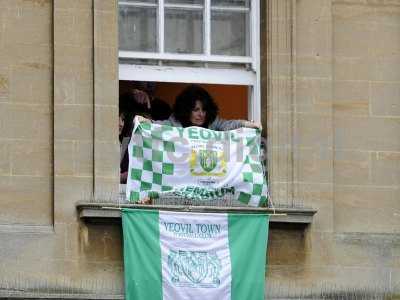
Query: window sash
{"x":206,"y":56}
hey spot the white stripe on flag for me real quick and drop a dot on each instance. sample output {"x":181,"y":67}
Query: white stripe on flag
{"x":195,"y":256}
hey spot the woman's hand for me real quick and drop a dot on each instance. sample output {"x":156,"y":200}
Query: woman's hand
{"x":141,"y":98}
{"x":251,"y":124}
{"x":142,"y":119}
{"x":145,"y":200}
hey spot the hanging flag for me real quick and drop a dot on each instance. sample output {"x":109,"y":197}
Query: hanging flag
{"x":175,"y":255}
{"x":196,"y":163}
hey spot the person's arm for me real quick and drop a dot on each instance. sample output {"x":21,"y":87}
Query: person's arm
{"x":222,"y":125}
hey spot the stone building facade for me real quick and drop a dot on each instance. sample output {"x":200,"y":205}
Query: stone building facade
{"x":330,"y":105}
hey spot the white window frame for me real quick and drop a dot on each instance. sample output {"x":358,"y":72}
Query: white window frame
{"x":209,"y":75}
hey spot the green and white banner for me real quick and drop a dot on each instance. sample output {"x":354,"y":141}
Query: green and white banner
{"x":196,"y":163}
{"x":196,"y":256}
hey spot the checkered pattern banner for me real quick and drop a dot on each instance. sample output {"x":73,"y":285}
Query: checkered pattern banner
{"x":195,"y":163}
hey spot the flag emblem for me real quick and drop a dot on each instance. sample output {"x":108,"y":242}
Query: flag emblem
{"x":208,"y":160}
{"x":194,"y":268}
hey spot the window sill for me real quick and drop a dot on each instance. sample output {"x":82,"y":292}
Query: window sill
{"x":93,"y":212}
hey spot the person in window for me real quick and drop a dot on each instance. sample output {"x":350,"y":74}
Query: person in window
{"x":131,"y":104}
{"x":194,"y":106}
{"x":125,"y":131}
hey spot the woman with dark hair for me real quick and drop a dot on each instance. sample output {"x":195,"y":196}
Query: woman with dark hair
{"x":194,"y":106}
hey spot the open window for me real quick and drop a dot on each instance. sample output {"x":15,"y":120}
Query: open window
{"x":212,"y":42}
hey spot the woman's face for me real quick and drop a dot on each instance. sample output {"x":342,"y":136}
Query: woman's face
{"x":198,"y":115}
{"x":121,"y":123}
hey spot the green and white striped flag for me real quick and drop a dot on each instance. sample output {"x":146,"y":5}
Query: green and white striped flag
{"x":196,"y":163}
{"x":174,"y":255}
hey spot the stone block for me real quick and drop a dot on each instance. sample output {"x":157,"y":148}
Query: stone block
{"x":76,"y":5}
{"x":106,"y":121}
{"x":388,"y":14}
{"x":26,"y":200}
{"x":280,"y":130}
{"x":386,"y":40}
{"x":39,"y":31}
{"x":368,"y":134}
{"x":4,"y":83}
{"x":73,"y":122}
{"x":358,"y":68}
{"x":366,"y":209}
{"x":106,"y":5}
{"x":31,"y":83}
{"x":74,"y":27}
{"x":286,"y":248}
{"x":84,"y":87}
{"x":351,"y":97}
{"x":320,"y":197}
{"x":30,"y":245}
{"x":315,"y":67}
{"x":107,"y":188}
{"x":29,"y":56}
{"x":83,"y":153}
{"x":67,"y":191}
{"x":64,"y":162}
{"x":5,"y":158}
{"x":384,"y":68}
{"x":68,"y":57}
{"x":24,"y":121}
{"x":95,"y":243}
{"x":280,"y":41}
{"x":281,"y":192}
{"x":107,"y":159}
{"x":279,"y":10}
{"x":314,"y":37}
{"x":106,"y":29}
{"x":385,"y":168}
{"x":358,"y":13}
{"x":31,"y":4}
{"x":281,"y":92}
{"x":281,"y":158}
{"x":31,"y":158}
{"x":313,"y":130}
{"x":294,"y":281}
{"x":352,"y":167}
{"x":280,"y":65}
{"x":73,"y":86}
{"x":313,"y":165}
{"x":351,"y":39}
{"x":385,"y":99}
{"x":364,"y":250}
{"x":314,"y":96}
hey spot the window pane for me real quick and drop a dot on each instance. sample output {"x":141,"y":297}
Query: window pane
{"x":137,"y":28}
{"x":183,"y":31}
{"x":197,"y":2}
{"x":230,"y":33}
{"x":121,"y":2}
{"x":236,"y":3}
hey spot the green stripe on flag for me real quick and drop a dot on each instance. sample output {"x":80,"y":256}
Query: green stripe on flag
{"x":248,"y":235}
{"x":142,"y":254}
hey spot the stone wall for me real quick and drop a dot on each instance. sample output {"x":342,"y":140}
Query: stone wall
{"x":331,"y":106}
{"x":333,"y":101}
{"x":58,"y":144}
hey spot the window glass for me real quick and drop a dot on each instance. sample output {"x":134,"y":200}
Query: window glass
{"x":235,"y":3}
{"x":196,"y":2}
{"x":137,"y":1}
{"x":229,"y":33}
{"x":137,"y":28}
{"x":183,"y":31}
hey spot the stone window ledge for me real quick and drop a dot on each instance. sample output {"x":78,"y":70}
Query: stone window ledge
{"x":105,"y":212}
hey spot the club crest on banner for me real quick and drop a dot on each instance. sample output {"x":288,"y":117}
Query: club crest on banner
{"x":194,"y":268}
{"x":207,"y":163}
